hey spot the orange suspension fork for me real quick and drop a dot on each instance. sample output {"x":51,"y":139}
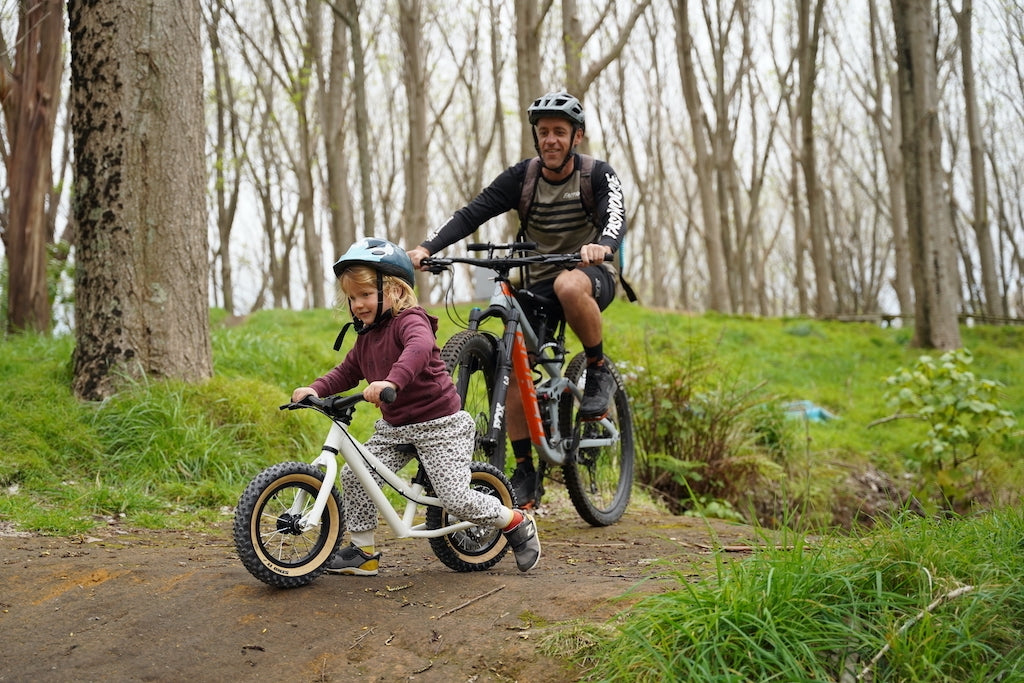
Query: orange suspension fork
{"x":524,"y":379}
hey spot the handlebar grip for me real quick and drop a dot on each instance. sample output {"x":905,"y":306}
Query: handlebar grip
{"x":388,"y":395}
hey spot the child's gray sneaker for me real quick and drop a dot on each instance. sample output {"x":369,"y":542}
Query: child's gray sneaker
{"x":525,"y":544}
{"x":352,"y":561}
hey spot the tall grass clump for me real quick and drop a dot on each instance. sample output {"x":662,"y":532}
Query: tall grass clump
{"x":923,"y":600}
{"x":713,"y":441}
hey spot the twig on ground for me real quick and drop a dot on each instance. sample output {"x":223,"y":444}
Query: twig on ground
{"x":953,"y":594}
{"x":470,"y":602}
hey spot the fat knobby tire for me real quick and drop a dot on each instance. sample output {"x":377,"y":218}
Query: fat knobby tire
{"x":477,"y":548}
{"x":266,"y":534}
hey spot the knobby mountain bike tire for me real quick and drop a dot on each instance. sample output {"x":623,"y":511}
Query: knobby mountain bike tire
{"x":599,"y":479}
{"x":471,"y":359}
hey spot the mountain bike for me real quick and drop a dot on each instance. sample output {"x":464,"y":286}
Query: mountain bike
{"x":595,"y":457}
{"x":290,"y":520}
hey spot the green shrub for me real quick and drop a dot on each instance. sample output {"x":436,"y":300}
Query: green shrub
{"x":962,"y":413}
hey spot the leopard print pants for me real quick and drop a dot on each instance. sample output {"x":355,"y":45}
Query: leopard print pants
{"x":445,"y":446}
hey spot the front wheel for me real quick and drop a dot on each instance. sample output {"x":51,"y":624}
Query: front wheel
{"x":599,"y":474}
{"x":471,"y":359}
{"x":479,"y":547}
{"x":268,"y":538}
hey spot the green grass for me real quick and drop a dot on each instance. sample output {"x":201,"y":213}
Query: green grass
{"x":165,"y":450}
{"x":921,"y":600}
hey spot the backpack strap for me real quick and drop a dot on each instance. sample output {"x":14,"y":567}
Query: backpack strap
{"x":530,"y":186}
{"x":586,"y":198}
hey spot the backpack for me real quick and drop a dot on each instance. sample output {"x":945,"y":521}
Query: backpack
{"x":586,"y":198}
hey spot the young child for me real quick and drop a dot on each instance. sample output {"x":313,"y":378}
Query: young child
{"x":396,"y":347}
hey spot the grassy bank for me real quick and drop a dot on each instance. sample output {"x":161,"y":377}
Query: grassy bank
{"x":165,"y":453}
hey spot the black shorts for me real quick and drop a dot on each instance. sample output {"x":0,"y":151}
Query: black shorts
{"x":602,"y":284}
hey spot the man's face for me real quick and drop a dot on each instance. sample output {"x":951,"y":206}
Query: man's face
{"x":555,"y":139}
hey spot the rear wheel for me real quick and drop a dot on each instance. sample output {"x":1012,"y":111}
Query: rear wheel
{"x":479,"y":547}
{"x":471,"y":360}
{"x":599,"y":473}
{"x":268,"y":538}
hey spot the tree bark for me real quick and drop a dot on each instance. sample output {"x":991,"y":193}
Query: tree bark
{"x":718,"y":283}
{"x":809,"y":33}
{"x":529,"y":20}
{"x":414,"y":78}
{"x":140,"y":204}
{"x":30,"y":94}
{"x":932,"y":246}
{"x":993,"y":304}
{"x":339,"y":199}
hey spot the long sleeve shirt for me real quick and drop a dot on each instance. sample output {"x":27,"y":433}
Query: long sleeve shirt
{"x":403,"y":350}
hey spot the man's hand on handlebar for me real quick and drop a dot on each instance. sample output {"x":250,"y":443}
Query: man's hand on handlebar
{"x":591,"y":254}
{"x":417,"y":255}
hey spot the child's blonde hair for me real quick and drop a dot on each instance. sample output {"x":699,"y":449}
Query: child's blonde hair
{"x":402,"y":295}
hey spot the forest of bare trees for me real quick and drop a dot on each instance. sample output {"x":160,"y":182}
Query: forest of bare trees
{"x":780,"y":157}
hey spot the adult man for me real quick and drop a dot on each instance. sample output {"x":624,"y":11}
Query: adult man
{"x":558,"y":222}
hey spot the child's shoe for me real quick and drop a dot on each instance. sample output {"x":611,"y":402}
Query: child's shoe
{"x":352,"y":561}
{"x":525,"y":544}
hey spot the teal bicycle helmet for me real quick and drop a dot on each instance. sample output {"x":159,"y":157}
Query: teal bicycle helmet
{"x":381,"y":255}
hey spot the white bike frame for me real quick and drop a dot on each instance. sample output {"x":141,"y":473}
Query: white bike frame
{"x":361,"y":461}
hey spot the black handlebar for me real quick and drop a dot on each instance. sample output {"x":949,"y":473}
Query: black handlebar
{"x":528,"y":257}
{"x":336,"y":405}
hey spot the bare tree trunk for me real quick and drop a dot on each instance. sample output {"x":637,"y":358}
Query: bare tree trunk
{"x":979,"y":220}
{"x":933,"y":252}
{"x":227,"y":147}
{"x":529,"y":20}
{"x":350,"y":15}
{"x":807,"y":49}
{"x":889,"y":135}
{"x":300,"y":91}
{"x":30,"y":94}
{"x":718,"y":283}
{"x":339,"y":200}
{"x":414,"y":77}
{"x":141,"y":278}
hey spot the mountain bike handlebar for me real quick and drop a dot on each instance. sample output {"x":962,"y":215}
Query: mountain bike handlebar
{"x":436,"y":264}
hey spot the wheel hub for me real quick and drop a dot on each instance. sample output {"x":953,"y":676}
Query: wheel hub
{"x":289,"y":524}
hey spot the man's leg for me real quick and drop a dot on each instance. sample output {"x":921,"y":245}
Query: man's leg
{"x":524,"y":478}
{"x":576,"y":293}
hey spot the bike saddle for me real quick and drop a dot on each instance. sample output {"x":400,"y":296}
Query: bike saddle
{"x":545,"y":312}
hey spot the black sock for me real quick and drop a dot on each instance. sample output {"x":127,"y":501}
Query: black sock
{"x":594,"y":354}
{"x":522,"y":449}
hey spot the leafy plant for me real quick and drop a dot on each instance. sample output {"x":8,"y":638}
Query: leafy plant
{"x":962,"y":412}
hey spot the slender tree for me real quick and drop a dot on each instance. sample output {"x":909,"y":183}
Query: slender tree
{"x":932,"y":246}
{"x":30,"y":95}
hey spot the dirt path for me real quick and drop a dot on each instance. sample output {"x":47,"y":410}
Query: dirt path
{"x":129,"y":605}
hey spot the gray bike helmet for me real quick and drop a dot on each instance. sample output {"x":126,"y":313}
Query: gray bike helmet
{"x":381,"y":255}
{"x":560,"y":104}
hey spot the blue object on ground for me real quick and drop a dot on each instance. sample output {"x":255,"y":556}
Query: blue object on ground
{"x":809,"y":411}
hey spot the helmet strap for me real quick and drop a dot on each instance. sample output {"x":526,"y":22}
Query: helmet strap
{"x":359,"y":326}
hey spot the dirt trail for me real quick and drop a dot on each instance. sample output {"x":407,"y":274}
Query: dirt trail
{"x":131,"y":605}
